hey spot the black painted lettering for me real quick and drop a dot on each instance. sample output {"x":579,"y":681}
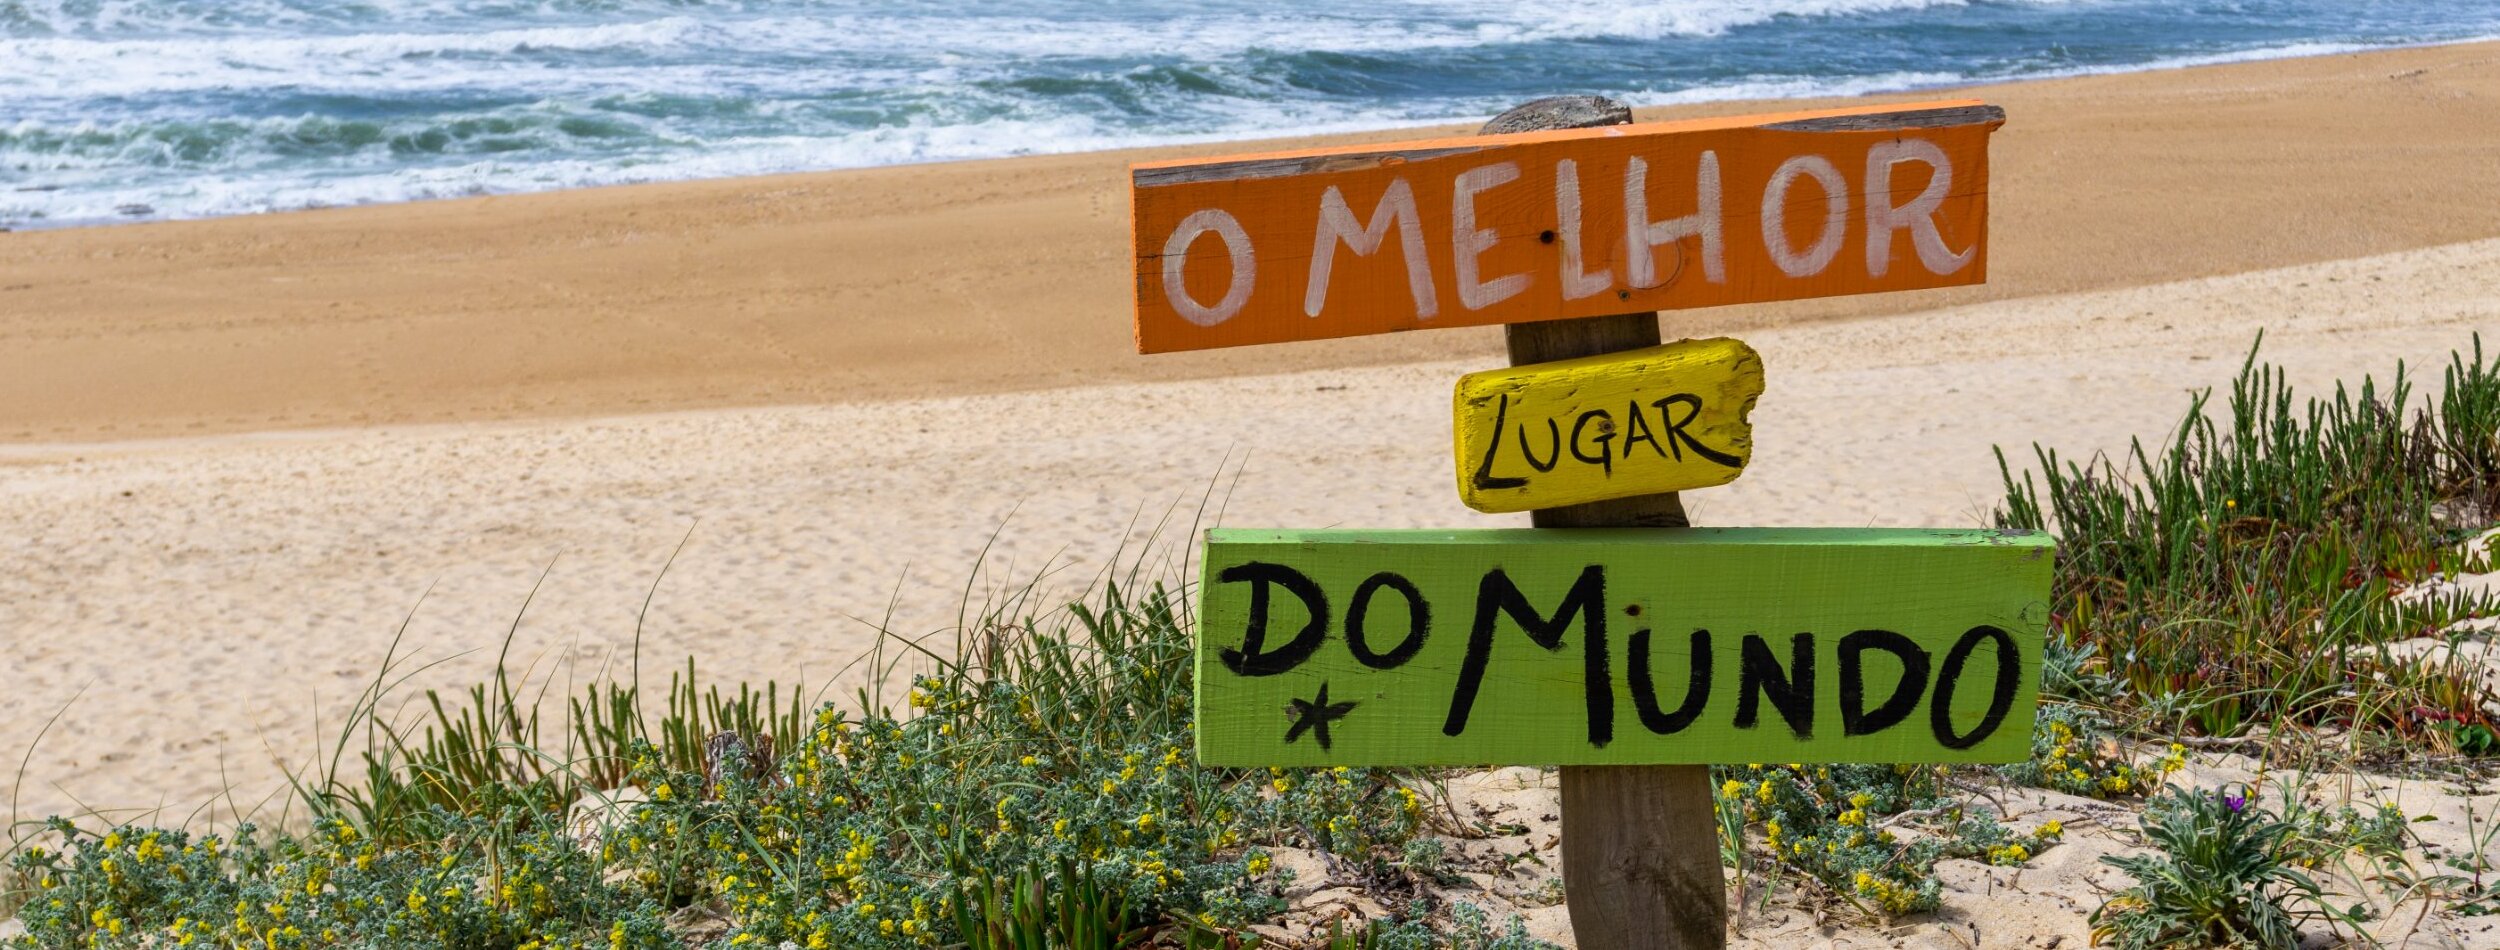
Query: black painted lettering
{"x":1485,"y":479}
{"x":1645,"y":690}
{"x":1855,"y":720}
{"x":1358,"y":611}
{"x":1678,"y":440}
{"x":1253,"y":659}
{"x":1791,"y":691}
{"x":1605,"y":457}
{"x":2001,"y":700}
{"x":1636,"y":430}
{"x":1553,"y":436}
{"x":1496,"y":597}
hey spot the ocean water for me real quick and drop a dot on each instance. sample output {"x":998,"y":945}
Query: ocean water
{"x":117,"y":110}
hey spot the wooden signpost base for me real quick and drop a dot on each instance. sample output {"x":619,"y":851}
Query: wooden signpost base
{"x":1640,"y":845}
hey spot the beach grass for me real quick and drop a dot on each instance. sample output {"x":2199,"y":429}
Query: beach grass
{"x":2241,"y":582}
{"x":2244,"y":577}
{"x":1035,"y":780}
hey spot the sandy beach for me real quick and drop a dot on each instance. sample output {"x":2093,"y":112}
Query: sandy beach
{"x":994,"y":276}
{"x":237,"y":455}
{"x":216,"y":597}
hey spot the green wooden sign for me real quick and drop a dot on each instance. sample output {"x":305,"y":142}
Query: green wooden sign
{"x":1634,"y":646}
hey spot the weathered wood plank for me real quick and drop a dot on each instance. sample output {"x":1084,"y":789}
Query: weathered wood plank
{"x":1640,"y":422}
{"x":1604,"y":646}
{"x":1557,"y":224}
{"x":1899,"y":121}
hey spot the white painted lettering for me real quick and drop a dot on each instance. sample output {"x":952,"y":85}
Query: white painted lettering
{"x":1176,"y":253}
{"x":1467,"y":242}
{"x":1919,"y":216}
{"x":1336,"y":225}
{"x":1642,"y":237}
{"x":1576,"y":282}
{"x":1835,"y":215}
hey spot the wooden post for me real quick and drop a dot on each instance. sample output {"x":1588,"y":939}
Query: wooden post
{"x":1640,"y":843}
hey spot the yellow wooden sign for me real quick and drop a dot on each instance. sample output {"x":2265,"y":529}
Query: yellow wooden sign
{"x":1640,"y":422}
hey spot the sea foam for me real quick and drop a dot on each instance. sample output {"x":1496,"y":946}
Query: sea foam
{"x":127,"y":109}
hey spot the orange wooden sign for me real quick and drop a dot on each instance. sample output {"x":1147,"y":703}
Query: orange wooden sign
{"x":1334,"y":242}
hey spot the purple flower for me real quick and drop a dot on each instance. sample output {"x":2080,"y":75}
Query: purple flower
{"x":2236,"y":802}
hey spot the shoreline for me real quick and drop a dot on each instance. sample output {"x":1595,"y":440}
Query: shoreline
{"x":1009,"y":275}
{"x":2297,"y":51}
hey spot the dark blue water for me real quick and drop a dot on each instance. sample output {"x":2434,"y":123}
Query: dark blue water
{"x":136,"y":109}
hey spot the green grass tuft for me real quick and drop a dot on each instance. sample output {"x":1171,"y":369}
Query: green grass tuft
{"x":2244,"y":574}
{"x":1038,"y":782}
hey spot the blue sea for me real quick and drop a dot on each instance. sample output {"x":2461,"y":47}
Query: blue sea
{"x":114,"y":110}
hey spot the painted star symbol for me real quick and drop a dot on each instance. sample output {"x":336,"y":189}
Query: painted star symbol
{"x":1314,"y":715}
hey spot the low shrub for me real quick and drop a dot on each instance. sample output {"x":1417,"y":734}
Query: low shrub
{"x":2222,"y":874}
{"x":1836,"y":825}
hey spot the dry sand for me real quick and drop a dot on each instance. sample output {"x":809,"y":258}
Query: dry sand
{"x":212,"y":596}
{"x":412,"y":412}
